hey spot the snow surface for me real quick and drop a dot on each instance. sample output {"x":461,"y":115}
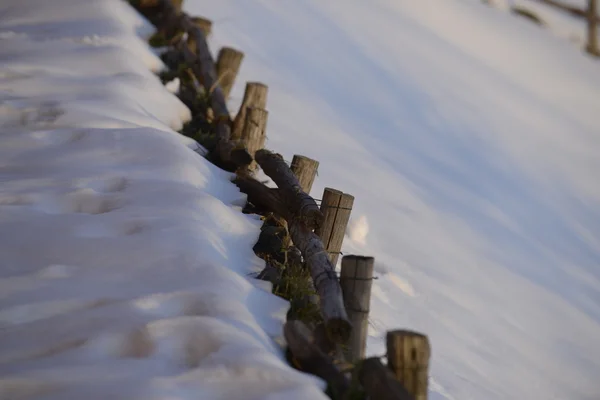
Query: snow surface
{"x":124,"y":257}
{"x":470,"y":139}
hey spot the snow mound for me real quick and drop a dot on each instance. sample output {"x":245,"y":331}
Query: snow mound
{"x":123,"y":254}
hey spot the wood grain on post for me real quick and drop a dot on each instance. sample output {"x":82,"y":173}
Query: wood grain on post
{"x":356,"y":280}
{"x":255,"y":95}
{"x":305,"y":170}
{"x":229,"y":61}
{"x":379,"y":382}
{"x":408,"y":356}
{"x":311,"y":359}
{"x":336,"y":207}
{"x":253,"y":135}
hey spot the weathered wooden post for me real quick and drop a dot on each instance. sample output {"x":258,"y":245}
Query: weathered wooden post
{"x":255,"y":127}
{"x":305,"y":170}
{"x":408,"y":356}
{"x":592,"y":18}
{"x":356,"y":280}
{"x":255,"y":95}
{"x":336,"y":207}
{"x":229,"y":61}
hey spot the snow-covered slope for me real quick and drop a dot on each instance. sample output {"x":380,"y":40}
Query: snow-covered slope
{"x":123,"y":253}
{"x":471,"y":140}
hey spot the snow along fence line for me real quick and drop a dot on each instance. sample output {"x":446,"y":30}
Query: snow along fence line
{"x":300,"y":241}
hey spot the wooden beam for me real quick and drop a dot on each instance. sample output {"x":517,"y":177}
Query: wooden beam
{"x":229,"y":61}
{"x":204,"y":24}
{"x":302,"y":205}
{"x":356,"y":280}
{"x":305,"y":170}
{"x":336,"y":207}
{"x":379,"y":383}
{"x":408,"y":356}
{"x":311,"y":359}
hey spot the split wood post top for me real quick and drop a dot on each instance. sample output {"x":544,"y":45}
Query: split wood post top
{"x":254,"y":131}
{"x":408,"y":356}
{"x":305,"y":170}
{"x":336,"y":207}
{"x":229,"y":61}
{"x":356,"y":280}
{"x":255,"y":95}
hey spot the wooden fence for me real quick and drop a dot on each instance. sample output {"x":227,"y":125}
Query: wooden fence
{"x":300,"y":240}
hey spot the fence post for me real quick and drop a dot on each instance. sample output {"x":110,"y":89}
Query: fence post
{"x":253,"y":134}
{"x":229,"y":61}
{"x":408,"y":357}
{"x":592,"y":19}
{"x":336,"y":207}
{"x":305,"y":170}
{"x":356,"y":280}
{"x":255,"y":95}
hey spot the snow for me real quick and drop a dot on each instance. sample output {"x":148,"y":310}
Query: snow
{"x":124,"y":257}
{"x":469,"y":138}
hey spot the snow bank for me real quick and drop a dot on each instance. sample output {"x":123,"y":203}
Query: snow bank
{"x":470,"y":140}
{"x":123,"y":254}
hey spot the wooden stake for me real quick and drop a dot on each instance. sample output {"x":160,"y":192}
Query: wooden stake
{"x":408,"y":357}
{"x":253,"y":134}
{"x":379,"y":382}
{"x":228,"y":65}
{"x":305,"y":170}
{"x":336,"y":207}
{"x":356,"y":280}
{"x":255,"y":95}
